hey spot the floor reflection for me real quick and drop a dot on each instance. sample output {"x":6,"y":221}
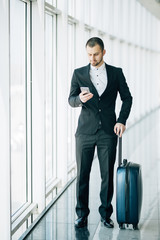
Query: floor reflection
{"x":82,"y":233}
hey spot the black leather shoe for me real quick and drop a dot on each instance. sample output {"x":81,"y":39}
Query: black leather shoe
{"x":107,"y":222}
{"x":81,"y":222}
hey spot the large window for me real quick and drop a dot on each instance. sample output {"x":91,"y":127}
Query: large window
{"x":50,"y":84}
{"x":20,"y":125}
{"x":50,"y":80}
{"x":20,"y":117}
{"x":71,"y":112}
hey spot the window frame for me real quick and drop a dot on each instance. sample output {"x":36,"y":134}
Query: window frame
{"x":71,"y":165}
{"x":28,"y":208}
{"x":53,"y":183}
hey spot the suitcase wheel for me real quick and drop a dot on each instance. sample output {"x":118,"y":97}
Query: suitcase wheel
{"x":121,"y":225}
{"x":135,"y":226}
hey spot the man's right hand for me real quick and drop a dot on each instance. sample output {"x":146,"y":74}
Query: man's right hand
{"x":85,"y":96}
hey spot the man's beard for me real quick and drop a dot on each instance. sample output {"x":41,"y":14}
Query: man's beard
{"x":96,"y":64}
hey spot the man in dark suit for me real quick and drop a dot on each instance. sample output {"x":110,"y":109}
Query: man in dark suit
{"x":94,"y":88}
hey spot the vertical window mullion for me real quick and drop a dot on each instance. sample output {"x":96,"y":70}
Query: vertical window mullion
{"x":26,"y":97}
{"x":52,"y":87}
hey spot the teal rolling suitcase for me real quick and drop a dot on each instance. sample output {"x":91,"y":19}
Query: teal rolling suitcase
{"x":128,"y":191}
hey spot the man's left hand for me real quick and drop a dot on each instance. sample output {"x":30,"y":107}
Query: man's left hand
{"x":119,"y":129}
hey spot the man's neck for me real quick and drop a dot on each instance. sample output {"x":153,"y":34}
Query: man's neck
{"x":100,"y":64}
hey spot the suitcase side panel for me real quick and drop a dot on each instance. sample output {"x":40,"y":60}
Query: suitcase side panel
{"x":135,"y":193}
{"x":120,"y":195}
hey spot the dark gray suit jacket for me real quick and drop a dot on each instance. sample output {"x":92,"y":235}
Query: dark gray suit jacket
{"x":100,"y":111}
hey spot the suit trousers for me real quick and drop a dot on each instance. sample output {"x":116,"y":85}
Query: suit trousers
{"x":106,"y":150}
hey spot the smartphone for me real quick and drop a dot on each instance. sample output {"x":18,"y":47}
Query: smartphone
{"x":86,"y":89}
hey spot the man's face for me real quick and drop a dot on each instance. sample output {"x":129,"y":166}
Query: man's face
{"x":95,"y":55}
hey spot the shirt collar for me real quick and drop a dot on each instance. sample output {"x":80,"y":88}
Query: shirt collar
{"x":100,"y":68}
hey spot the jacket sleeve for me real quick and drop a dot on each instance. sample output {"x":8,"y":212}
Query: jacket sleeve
{"x":74,"y":99}
{"x":126,"y":98}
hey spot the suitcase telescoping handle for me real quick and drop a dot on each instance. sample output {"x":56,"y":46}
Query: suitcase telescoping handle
{"x":120,"y":163}
{"x":120,"y":151}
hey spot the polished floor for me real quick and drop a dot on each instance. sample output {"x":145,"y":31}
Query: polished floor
{"x":58,"y":223}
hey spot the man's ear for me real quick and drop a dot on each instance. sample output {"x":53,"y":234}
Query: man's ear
{"x":104,"y":52}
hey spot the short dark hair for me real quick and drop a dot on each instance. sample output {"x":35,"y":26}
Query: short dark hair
{"x":94,"y":41}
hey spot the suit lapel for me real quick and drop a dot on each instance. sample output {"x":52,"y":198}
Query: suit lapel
{"x":109,"y":75}
{"x":109,"y":79}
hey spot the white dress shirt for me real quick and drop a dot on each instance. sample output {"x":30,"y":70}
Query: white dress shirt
{"x":99,"y":78}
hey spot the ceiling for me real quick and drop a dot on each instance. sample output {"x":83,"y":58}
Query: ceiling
{"x":153,"y":6}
